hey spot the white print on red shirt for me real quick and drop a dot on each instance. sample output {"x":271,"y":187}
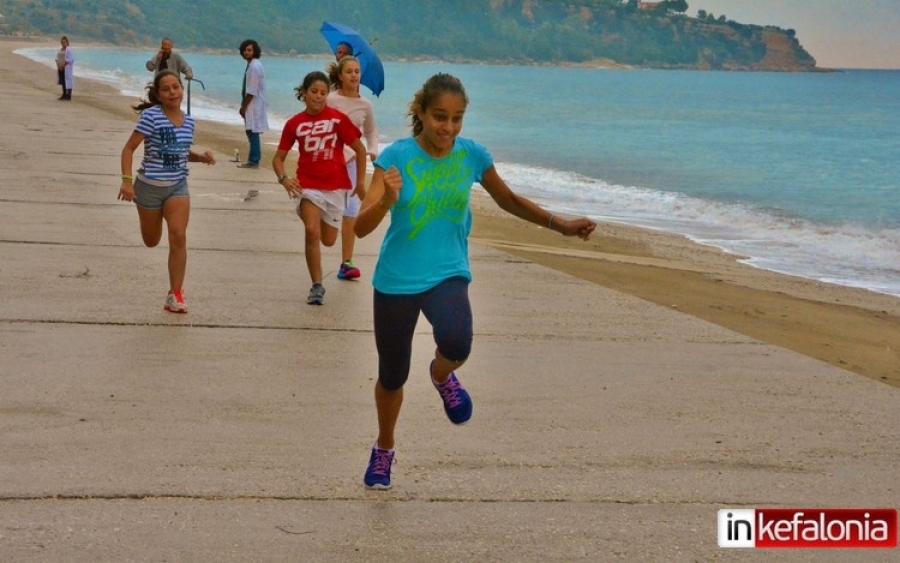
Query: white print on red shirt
{"x":318,"y":138}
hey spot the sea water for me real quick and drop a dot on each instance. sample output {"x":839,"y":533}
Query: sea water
{"x":797,"y":172}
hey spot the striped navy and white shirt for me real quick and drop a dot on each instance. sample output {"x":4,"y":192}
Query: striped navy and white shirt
{"x":166,"y":146}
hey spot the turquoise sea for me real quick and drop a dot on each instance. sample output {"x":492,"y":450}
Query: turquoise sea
{"x":800,"y":173}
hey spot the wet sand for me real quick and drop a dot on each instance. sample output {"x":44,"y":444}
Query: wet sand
{"x":853,"y":329}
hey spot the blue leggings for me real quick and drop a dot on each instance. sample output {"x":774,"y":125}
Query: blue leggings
{"x":447,"y":308}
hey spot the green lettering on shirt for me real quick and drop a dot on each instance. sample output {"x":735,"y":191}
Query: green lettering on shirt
{"x":441,"y":190}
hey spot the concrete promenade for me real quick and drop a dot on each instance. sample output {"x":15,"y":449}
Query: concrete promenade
{"x":605,"y":427}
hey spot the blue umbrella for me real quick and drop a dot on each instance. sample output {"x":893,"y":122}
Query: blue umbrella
{"x":372,"y":70}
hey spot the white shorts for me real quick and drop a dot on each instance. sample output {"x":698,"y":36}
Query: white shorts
{"x":331,"y":204}
{"x":353,"y":205}
{"x":351,"y":209}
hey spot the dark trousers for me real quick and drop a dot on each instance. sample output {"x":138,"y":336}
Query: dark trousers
{"x":255,"y":147}
{"x":446,"y":306}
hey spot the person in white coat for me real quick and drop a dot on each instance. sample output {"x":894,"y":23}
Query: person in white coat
{"x":253,"y":101}
{"x":65,"y":65}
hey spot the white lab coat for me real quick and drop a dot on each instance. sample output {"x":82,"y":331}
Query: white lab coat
{"x":255,"y":118}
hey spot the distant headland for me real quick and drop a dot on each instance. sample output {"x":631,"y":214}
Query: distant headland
{"x":607,"y":33}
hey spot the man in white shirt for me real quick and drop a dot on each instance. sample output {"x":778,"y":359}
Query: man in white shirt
{"x":253,"y":101}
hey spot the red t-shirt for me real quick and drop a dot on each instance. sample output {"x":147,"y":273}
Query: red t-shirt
{"x":321,"y":139}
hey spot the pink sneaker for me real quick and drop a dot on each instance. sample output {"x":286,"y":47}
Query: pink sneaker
{"x":175,"y":302}
{"x":348,"y":271}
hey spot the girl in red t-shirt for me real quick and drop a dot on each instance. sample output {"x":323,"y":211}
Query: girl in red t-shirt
{"x":322,"y":182}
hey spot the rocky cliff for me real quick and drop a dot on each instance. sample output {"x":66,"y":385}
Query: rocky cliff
{"x":784,"y":53}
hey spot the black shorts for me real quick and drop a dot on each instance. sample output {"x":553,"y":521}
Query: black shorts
{"x":447,"y":308}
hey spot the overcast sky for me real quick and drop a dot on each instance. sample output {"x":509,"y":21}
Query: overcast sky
{"x":838,"y":33}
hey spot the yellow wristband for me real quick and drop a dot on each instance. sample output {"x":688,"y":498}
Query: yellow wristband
{"x":127,"y":177}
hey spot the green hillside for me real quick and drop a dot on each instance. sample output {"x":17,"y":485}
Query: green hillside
{"x":660,"y":35}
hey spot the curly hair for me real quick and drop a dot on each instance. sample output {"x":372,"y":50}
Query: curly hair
{"x":257,"y":50}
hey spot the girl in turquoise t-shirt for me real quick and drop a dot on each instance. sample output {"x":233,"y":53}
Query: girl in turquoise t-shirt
{"x":424,"y":181}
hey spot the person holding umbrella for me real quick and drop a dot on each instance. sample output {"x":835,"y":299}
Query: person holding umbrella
{"x":424,"y":182}
{"x":344,"y":96}
{"x":342,"y":50}
{"x":344,"y":41}
{"x":253,"y":101}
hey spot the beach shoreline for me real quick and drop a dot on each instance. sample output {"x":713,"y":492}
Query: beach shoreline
{"x":854,"y":329}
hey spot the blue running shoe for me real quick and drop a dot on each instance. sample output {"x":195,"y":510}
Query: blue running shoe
{"x":457,"y":403}
{"x":378,"y":474}
{"x":316,"y":295}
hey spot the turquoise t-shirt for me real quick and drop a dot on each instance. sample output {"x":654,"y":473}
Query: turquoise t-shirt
{"x":427,"y":240}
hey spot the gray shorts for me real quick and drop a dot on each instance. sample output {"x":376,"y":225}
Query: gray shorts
{"x":154,"y":197}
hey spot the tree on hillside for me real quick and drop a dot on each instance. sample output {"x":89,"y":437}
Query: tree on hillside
{"x":680,"y":6}
{"x":543,"y":31}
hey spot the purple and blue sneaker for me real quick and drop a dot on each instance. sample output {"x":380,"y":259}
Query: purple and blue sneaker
{"x":378,"y":474}
{"x":457,"y":403}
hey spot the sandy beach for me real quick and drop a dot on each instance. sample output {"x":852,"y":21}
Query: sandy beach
{"x":850,"y":328}
{"x":617,"y":409}
{"x":853,"y":329}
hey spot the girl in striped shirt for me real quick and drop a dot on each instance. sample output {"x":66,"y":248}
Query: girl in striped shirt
{"x":160,"y":189}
